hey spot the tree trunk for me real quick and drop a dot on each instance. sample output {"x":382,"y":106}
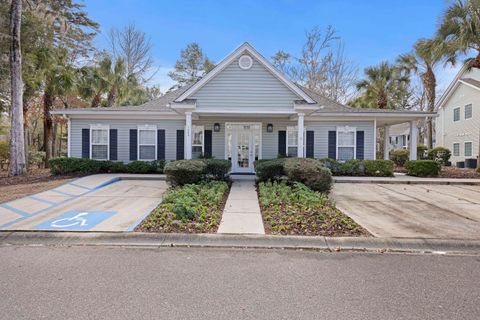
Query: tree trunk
{"x":47,"y":126}
{"x":476,"y":62}
{"x":17,"y":137}
{"x":382,"y":100}
{"x":95,"y":101}
{"x":430,"y":83}
{"x":112,"y":96}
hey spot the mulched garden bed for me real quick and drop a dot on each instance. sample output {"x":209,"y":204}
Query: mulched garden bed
{"x":454,"y":172}
{"x":193,"y":208}
{"x":297,"y":210}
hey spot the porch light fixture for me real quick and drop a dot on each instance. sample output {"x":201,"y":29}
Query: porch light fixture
{"x":216,"y":127}
{"x":269,"y":127}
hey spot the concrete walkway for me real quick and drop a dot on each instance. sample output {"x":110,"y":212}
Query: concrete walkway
{"x":242,"y":212}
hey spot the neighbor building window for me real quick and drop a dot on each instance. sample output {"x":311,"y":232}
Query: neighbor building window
{"x":468,"y":149}
{"x":346,"y":143}
{"x":292,"y":141}
{"x":456,"y":114}
{"x":468,"y":111}
{"x":198,"y":145}
{"x":456,"y":149}
{"x":99,"y":136}
{"x":147,"y":143}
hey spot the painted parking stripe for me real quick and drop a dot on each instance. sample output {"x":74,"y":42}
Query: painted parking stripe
{"x":42,"y":200}
{"x":17,"y":211}
{"x":79,"y":186}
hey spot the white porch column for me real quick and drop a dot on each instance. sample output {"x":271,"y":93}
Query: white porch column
{"x":300,"y":127}
{"x":413,"y":140}
{"x":69,"y":138}
{"x":386,"y":143}
{"x":188,"y":135}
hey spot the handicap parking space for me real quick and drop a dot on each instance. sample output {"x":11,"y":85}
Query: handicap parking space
{"x":109,"y":204}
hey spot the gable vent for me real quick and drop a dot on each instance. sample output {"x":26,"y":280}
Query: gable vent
{"x":245,"y":62}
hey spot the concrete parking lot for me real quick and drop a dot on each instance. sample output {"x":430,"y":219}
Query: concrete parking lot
{"x":94,"y":203}
{"x":412,"y":211}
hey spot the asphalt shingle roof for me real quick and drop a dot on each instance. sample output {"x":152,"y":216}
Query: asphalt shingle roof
{"x":472,"y":82}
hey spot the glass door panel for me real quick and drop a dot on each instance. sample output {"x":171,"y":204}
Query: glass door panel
{"x":243,"y":149}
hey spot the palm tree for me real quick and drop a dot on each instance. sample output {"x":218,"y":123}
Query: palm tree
{"x":117,"y":79}
{"x":426,"y":55}
{"x":460,"y":29}
{"x":382,"y":87}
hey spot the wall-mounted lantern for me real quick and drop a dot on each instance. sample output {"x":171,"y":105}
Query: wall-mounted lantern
{"x":269,"y":127}
{"x":216,"y":127}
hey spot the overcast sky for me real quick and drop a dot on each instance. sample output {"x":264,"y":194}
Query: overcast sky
{"x":373,"y":30}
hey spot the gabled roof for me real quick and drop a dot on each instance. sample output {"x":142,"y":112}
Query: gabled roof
{"x":471,"y":82}
{"x":246,"y":47}
{"x":455,"y":83}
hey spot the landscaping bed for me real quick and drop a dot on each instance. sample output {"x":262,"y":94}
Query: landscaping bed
{"x":191,"y":208}
{"x":35,"y":181}
{"x":454,"y":172}
{"x":294,"y":209}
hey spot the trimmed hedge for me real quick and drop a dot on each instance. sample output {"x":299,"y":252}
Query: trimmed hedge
{"x":310,"y":172}
{"x":79,"y":165}
{"x":399,"y":156}
{"x":423,"y":168}
{"x":378,"y":168}
{"x":183,"y":172}
{"x":217,"y":169}
{"x":439,"y":154}
{"x":270,"y":169}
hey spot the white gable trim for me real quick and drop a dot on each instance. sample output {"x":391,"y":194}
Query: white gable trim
{"x":469,"y":84}
{"x":230,"y":58}
{"x":451,"y":88}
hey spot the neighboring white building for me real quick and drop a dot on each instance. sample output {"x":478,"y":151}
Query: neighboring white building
{"x":458,"y":123}
{"x":399,"y":136}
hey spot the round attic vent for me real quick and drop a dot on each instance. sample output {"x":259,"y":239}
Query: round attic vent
{"x":245,"y":62}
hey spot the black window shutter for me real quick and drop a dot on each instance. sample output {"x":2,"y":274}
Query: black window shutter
{"x":332,"y":144}
{"x":360,"y":145}
{"x":133,"y":144}
{"x":161,"y":144}
{"x":282,"y":143}
{"x":180,"y":144}
{"x":85,"y":143}
{"x":310,"y":144}
{"x":208,"y":142}
{"x":113,"y":144}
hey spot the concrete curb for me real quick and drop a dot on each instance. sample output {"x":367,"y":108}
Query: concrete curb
{"x":156,"y":240}
{"x":393,"y":181}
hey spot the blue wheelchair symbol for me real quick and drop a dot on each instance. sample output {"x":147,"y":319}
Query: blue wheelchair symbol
{"x":76,"y":220}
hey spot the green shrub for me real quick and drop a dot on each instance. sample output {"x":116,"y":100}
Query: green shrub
{"x":378,"y":168}
{"x":423,"y":168}
{"x":352,"y":168}
{"x":332,"y":164}
{"x":79,"y":165}
{"x":399,"y":156}
{"x":269,"y":169}
{"x":138,"y":166}
{"x":422,"y":153}
{"x":183,"y":172}
{"x":4,"y":150}
{"x":36,"y":158}
{"x":310,"y":172}
{"x":439,"y":154}
{"x":217,"y":169}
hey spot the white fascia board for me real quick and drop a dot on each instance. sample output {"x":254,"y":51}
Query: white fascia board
{"x":451,"y":88}
{"x":244,"y":112}
{"x":469,"y":84}
{"x":232,"y":56}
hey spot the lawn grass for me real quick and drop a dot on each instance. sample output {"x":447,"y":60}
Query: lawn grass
{"x":297,"y":210}
{"x":192,"y":208}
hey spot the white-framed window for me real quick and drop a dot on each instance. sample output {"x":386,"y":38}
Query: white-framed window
{"x":468,"y":111}
{"x":456,"y":149}
{"x":198,"y":141}
{"x":468,"y":149}
{"x":346,"y":143}
{"x":99,"y":141}
{"x":292,"y":141}
{"x":147,"y":142}
{"x":456,"y":114}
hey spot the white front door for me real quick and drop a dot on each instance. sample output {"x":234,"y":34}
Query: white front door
{"x":243,"y":145}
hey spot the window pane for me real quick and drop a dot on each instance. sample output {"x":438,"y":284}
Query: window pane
{"x":345,"y":153}
{"x":456,"y":149}
{"x":99,"y":136}
{"x":99,"y":152}
{"x":468,"y":111}
{"x":468,"y":149}
{"x":292,"y":138}
{"x":292,"y":151}
{"x":197,"y":136}
{"x":147,"y":153}
{"x":456,"y":114}
{"x":146,"y":137}
{"x":346,"y":138}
